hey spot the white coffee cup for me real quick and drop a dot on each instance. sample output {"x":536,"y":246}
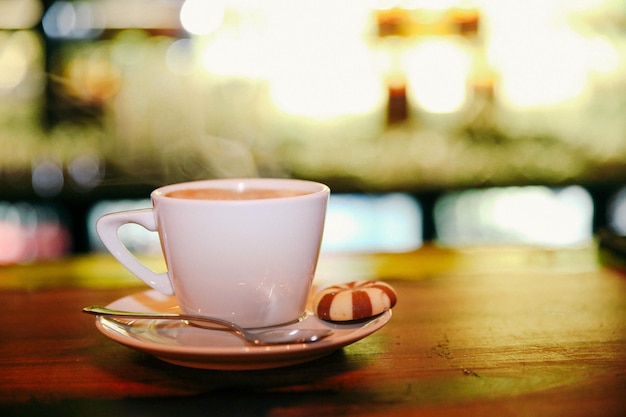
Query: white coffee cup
{"x":250,"y":261}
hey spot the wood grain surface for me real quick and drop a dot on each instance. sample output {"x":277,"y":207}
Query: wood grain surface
{"x":540,"y":340}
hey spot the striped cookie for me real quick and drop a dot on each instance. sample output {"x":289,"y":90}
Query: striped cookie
{"x":354,"y":300}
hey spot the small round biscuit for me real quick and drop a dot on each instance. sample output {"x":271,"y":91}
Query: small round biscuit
{"x":354,"y":300}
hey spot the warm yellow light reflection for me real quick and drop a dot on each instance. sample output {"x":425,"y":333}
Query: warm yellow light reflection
{"x":437,"y":71}
{"x":604,"y":58}
{"x":319,"y":88}
{"x":92,"y":77}
{"x":326,"y":75}
{"x":231,"y":56}
{"x":541,"y":56}
{"x":541,"y":69}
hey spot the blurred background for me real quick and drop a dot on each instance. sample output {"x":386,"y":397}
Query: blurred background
{"x":454,"y":121}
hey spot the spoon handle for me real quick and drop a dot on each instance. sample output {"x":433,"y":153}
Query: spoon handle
{"x":264,"y":337}
{"x":104,"y":311}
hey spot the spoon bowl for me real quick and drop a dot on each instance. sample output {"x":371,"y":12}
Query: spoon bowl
{"x":274,"y":336}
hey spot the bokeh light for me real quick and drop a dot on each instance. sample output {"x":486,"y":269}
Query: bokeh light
{"x":47,"y":178}
{"x":86,"y":171}
{"x":379,"y":96}
{"x":179,"y":58}
{"x":20,"y":14}
{"x":437,"y":72}
{"x":78,"y":20}
{"x":201,"y":17}
{"x":20,"y":65}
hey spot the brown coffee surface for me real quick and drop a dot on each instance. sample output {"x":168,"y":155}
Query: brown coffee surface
{"x":229,"y":194}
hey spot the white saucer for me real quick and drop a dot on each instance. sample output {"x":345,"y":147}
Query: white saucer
{"x":175,"y":342}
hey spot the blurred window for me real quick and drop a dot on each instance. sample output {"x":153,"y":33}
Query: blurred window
{"x":516,"y":215}
{"x":369,"y":223}
{"x":32,"y":232}
{"x":136,"y":238}
{"x":373,"y":223}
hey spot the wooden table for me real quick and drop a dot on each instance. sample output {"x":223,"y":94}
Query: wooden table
{"x":480,"y":331}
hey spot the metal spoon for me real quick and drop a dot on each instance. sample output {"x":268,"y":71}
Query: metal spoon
{"x":262,"y":337}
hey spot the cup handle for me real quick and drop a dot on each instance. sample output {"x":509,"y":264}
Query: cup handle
{"x":107,"y":227}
